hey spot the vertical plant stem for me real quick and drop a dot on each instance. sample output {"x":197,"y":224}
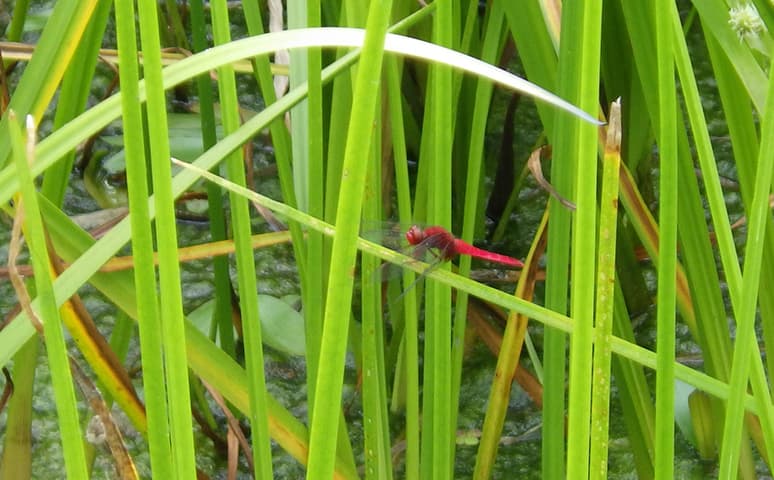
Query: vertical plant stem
{"x":322,"y":452}
{"x":608,"y":222}
{"x":376,"y":426}
{"x":472,"y":208}
{"x":17,"y":441}
{"x":667,"y":261}
{"x":15,"y":28}
{"x":744,"y":139}
{"x":314,"y":293}
{"x":439,"y":433}
{"x":176,"y":366}
{"x":311,"y":290}
{"x":579,"y":82}
{"x":745,"y":332}
{"x":299,"y":115}
{"x":220,"y":265}
{"x":528,"y":28}
{"x":240,"y":222}
{"x":149,"y":321}
{"x":411,"y":329}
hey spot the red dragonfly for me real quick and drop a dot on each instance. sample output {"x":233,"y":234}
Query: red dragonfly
{"x":446,"y":246}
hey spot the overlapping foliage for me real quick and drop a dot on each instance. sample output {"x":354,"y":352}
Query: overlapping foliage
{"x":389,"y":124}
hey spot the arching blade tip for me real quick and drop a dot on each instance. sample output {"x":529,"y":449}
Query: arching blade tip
{"x":587,"y":117}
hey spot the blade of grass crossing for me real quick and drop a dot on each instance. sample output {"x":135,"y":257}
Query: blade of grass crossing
{"x":61,"y":378}
{"x":279,"y":133}
{"x":149,"y":320}
{"x":61,"y":141}
{"x":112,"y":241}
{"x":99,"y":116}
{"x":667,"y":261}
{"x":205,"y":358}
{"x":240,"y":223}
{"x":549,"y":318}
{"x":322,"y":452}
{"x":176,"y":367}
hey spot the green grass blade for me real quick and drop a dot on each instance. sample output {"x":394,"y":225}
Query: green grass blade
{"x":48,"y":312}
{"x":507,"y":363}
{"x":333,"y":347}
{"x":473,"y":213}
{"x":247,"y":283}
{"x":411,"y":330}
{"x":17,"y":441}
{"x":667,"y":261}
{"x":740,"y":127}
{"x":155,"y":391}
{"x":714,"y":18}
{"x":71,"y":101}
{"x":578,"y":74}
{"x":90,"y":122}
{"x":376,"y":424}
{"x":745,"y":334}
{"x":215,"y":200}
{"x":308,"y":143}
{"x":438,"y":439}
{"x":711,"y":329}
{"x":603,"y":323}
{"x":635,"y":393}
{"x":16,"y":26}
{"x":299,"y":127}
{"x":170,"y":295}
{"x":42,"y":74}
{"x":543,"y":315}
{"x":528,"y":27}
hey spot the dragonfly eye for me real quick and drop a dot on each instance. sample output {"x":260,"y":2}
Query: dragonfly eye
{"x":414,"y":235}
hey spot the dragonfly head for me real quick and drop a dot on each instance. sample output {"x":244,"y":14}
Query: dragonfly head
{"x":415,"y":235}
